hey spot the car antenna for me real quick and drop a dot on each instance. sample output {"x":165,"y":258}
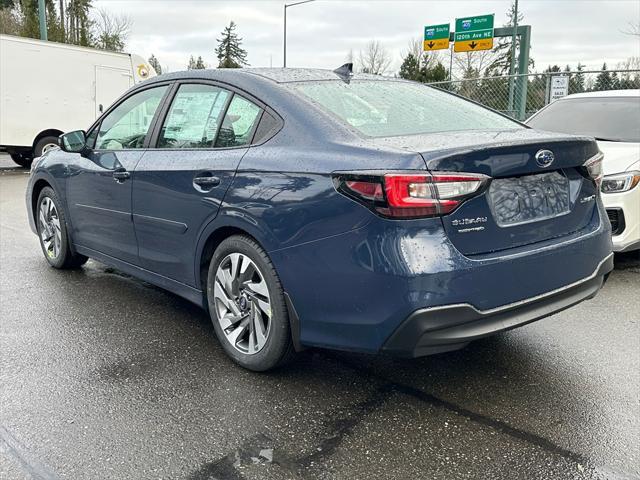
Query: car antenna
{"x":345,"y":72}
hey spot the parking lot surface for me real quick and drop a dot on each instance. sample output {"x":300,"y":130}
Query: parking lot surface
{"x":104,"y":376}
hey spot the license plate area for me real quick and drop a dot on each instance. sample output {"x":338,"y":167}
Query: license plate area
{"x":530,"y":198}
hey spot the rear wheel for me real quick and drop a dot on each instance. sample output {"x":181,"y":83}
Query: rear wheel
{"x":247,"y":306}
{"x":52,"y":231}
{"x":44,"y":145}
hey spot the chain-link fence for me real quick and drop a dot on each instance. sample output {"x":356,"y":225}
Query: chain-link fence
{"x":520,"y":96}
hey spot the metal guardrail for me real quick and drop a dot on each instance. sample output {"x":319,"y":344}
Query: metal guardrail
{"x":493,"y":92}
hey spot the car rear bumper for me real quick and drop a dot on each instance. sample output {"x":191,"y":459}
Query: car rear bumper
{"x":450,"y":327}
{"x":353,"y":291}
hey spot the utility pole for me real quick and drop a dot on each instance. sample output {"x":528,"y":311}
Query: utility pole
{"x":287,"y":5}
{"x":512,"y":65}
{"x":42,"y":16}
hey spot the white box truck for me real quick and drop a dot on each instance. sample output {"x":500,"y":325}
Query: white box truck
{"x":49,"y":88}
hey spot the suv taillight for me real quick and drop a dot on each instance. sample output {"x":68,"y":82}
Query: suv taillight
{"x":411,"y":195}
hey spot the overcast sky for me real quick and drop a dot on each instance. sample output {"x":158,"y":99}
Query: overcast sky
{"x":321,"y":33}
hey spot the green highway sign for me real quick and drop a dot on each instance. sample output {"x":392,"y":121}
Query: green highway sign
{"x":436,"y":37}
{"x":474,"y":33}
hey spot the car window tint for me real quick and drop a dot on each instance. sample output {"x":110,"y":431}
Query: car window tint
{"x":127,"y":125}
{"x":238,"y":123}
{"x":267,"y":127}
{"x":605,"y":118}
{"x":194,"y":117}
{"x":380,"y":108}
{"x":91,"y":138}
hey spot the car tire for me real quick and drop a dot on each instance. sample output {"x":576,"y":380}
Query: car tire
{"x":52,"y":232}
{"x":44,"y":144}
{"x":22,"y":159}
{"x":241,"y":269}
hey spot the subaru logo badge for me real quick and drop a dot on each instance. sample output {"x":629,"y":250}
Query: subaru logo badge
{"x":544,"y":158}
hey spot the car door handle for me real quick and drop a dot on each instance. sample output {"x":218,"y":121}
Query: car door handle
{"x":207,"y":182}
{"x":120,"y":175}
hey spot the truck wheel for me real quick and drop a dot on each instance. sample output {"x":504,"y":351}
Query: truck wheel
{"x":44,"y":145}
{"x":22,"y":159}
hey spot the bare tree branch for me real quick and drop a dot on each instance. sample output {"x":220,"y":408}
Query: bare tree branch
{"x":375,"y":59}
{"x":633,"y":29}
{"x":424,"y":59}
{"x":111,"y":31}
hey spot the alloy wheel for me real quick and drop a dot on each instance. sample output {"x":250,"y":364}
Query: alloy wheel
{"x":242,"y":303}
{"x":50,"y":232}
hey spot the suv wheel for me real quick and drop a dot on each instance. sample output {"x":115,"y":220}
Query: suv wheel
{"x":247,"y":306}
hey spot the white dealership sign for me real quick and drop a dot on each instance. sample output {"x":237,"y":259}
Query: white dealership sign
{"x":559,"y":87}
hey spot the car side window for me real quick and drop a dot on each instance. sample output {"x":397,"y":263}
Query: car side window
{"x":266,"y":128}
{"x":238,"y":123}
{"x":126,"y":126}
{"x":194,"y":117}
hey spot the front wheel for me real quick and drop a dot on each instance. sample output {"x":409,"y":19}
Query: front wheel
{"x":52,"y":231}
{"x":22,"y":159}
{"x":247,"y":306}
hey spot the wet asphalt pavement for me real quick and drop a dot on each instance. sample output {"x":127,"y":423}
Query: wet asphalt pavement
{"x":104,"y":376}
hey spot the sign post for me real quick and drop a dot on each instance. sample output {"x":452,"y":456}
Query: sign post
{"x":474,"y":33}
{"x":436,"y":37}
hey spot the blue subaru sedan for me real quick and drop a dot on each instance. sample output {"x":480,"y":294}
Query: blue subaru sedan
{"x":317,"y":208}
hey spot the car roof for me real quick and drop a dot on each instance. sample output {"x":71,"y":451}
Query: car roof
{"x":275,"y":75}
{"x":269,"y":86}
{"x":606,"y":93}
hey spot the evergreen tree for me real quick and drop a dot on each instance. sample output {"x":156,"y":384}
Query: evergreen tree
{"x":229,"y":51}
{"x":410,"y":68}
{"x":435,"y":73}
{"x":422,"y":69}
{"x":68,"y":21}
{"x":79,"y":23}
{"x":603,"y":80}
{"x":502,"y":63}
{"x":196,"y":64}
{"x":615,"y":81}
{"x":153,"y":61}
{"x":576,"y":82}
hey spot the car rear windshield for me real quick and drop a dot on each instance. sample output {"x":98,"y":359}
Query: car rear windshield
{"x":616,"y":119}
{"x":388,"y":108}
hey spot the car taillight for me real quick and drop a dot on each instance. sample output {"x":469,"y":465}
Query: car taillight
{"x":411,"y":195}
{"x":594,"y":168}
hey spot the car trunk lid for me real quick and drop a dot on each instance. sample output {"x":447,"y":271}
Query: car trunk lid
{"x":533,"y":195}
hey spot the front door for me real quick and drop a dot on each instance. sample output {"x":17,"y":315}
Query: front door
{"x":99,"y":183}
{"x":178,"y":187}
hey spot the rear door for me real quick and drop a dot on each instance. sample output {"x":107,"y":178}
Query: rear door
{"x":110,"y":84}
{"x":179,"y":185}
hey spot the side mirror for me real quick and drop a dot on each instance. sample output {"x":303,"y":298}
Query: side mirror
{"x":74,"y":142}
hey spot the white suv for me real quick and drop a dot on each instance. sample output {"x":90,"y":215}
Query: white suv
{"x":613,"y":118}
